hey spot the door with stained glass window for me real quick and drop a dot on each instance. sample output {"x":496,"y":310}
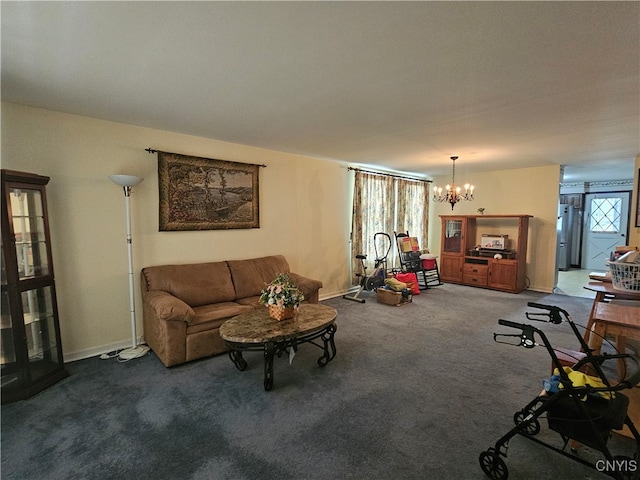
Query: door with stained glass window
{"x":606,"y":225}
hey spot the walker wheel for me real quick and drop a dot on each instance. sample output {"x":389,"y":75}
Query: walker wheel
{"x":533,"y":426}
{"x":493,"y":466}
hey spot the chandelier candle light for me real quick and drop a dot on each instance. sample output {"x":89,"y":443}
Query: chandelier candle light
{"x":451,"y":193}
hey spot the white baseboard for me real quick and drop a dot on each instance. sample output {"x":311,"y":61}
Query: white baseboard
{"x":94,"y":352}
{"x":327,"y":296}
{"x":533,"y":288}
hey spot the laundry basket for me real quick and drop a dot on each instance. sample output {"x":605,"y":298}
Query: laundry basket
{"x":625,"y":276}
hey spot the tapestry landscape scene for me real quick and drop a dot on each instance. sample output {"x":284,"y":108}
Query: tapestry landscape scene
{"x":206,"y":194}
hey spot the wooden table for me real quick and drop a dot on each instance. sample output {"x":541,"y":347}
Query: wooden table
{"x":621,"y":321}
{"x":605,"y":292}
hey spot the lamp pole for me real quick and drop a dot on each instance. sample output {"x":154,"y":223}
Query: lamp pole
{"x":127,"y":182}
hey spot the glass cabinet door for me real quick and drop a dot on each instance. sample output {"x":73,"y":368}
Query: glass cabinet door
{"x":7,"y":353}
{"x":8,"y":366}
{"x":39,"y":322}
{"x":28,"y":230}
{"x":453,"y":235}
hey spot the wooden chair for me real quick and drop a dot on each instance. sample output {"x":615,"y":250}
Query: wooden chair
{"x":426,"y":271}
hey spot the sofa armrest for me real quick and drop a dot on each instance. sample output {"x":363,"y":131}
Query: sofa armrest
{"x":168,"y":307}
{"x":307,"y":286}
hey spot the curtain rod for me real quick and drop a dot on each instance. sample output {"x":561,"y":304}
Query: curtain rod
{"x":390,"y":175}
{"x":151,"y":150}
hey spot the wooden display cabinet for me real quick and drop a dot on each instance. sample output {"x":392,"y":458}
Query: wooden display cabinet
{"x":461,"y":263}
{"x":454,"y":242}
{"x":31,"y":355}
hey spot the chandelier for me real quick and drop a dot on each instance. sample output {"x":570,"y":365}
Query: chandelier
{"x":451,"y":193}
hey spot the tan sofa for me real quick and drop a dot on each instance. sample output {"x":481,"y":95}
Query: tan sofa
{"x":184,"y":305}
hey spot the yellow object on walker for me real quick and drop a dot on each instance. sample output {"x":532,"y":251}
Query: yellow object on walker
{"x":579,"y":379}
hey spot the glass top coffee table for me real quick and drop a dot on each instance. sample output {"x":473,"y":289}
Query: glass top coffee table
{"x":256,"y":331}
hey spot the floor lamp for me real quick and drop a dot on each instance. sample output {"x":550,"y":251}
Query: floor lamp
{"x":127,"y":182}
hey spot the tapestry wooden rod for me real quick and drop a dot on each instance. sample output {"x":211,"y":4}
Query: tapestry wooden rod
{"x":151,"y":150}
{"x":391,"y":175}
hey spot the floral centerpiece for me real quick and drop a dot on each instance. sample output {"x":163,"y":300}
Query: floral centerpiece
{"x":282,"y":296}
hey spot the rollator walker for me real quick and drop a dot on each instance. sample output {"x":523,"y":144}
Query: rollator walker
{"x":580,"y":404}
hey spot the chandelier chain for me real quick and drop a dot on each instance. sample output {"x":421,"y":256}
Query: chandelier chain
{"x":453,"y":176}
{"x":452,"y":194}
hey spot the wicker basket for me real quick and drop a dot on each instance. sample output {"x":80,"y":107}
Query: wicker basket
{"x":625,"y":276}
{"x":281,"y":313}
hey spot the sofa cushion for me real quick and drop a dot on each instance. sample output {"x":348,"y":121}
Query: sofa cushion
{"x":197,"y":284}
{"x":212,"y":316}
{"x":253,"y":302}
{"x":216,"y":311}
{"x":253,"y":275}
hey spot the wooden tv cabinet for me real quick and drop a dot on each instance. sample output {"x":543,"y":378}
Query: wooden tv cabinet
{"x":460,"y":262}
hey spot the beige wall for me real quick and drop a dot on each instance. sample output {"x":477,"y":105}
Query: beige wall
{"x":305,"y":215}
{"x":531,"y":191}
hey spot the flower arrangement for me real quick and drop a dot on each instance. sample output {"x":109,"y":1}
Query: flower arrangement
{"x":282,"y":292}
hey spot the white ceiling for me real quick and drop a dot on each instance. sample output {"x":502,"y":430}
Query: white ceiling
{"x":397,"y":85}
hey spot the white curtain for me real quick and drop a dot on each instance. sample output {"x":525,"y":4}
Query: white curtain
{"x":383,"y":203}
{"x":413,"y":210}
{"x":373,"y":211}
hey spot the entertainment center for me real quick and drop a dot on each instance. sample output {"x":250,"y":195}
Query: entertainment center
{"x":488,"y":251}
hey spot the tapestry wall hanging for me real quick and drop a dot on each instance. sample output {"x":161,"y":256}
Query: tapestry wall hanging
{"x":206,"y":194}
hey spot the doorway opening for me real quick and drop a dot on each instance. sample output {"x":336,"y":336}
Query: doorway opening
{"x":571,"y":282}
{"x":589,"y":227}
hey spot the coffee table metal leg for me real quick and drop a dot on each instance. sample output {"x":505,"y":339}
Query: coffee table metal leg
{"x":238,"y":361}
{"x":329,"y":345}
{"x":269,"y":351}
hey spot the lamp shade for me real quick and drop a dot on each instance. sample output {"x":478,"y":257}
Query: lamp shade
{"x":126,"y":180}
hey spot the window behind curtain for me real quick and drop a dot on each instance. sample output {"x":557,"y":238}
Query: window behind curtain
{"x":382,"y":203}
{"x":413,"y":210}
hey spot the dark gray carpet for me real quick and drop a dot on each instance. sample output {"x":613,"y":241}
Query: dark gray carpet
{"x":415,"y":392}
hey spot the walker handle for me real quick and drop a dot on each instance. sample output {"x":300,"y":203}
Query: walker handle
{"x":540,"y":305}
{"x":526,"y":337}
{"x":509,"y":323}
{"x":554,"y":312}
